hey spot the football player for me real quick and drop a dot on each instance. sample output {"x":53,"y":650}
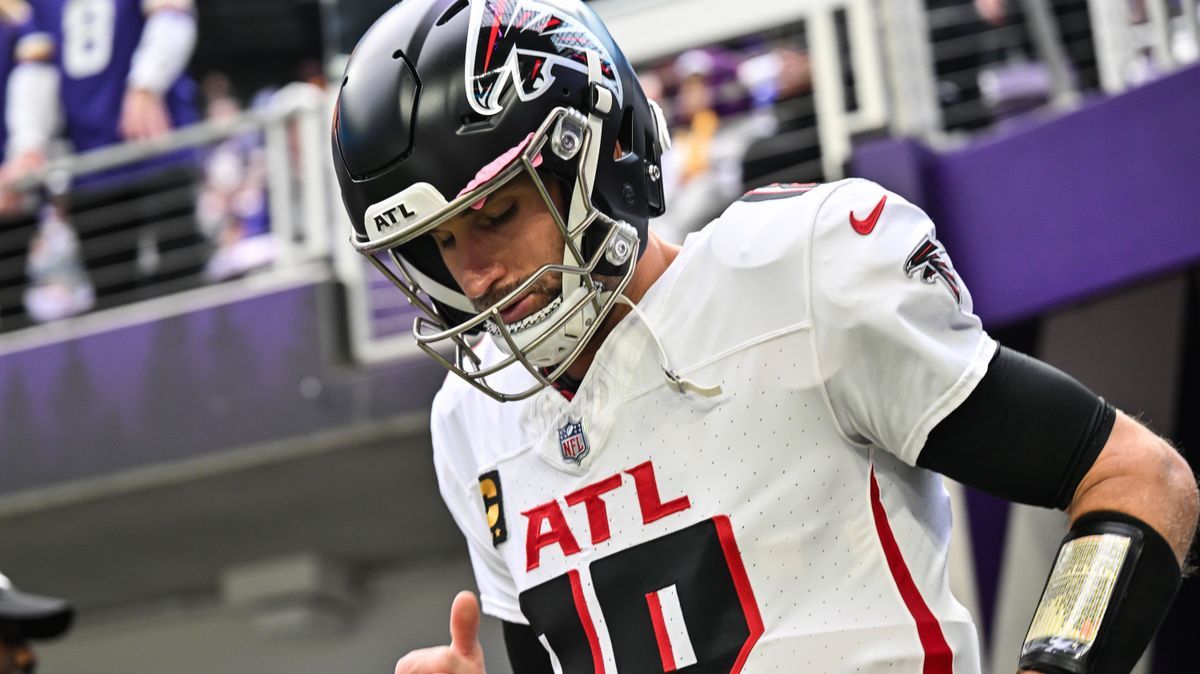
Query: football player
{"x":103,"y":72}
{"x":110,"y":70}
{"x":723,"y":456}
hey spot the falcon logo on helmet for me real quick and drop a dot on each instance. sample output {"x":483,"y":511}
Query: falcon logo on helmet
{"x":523,"y":42}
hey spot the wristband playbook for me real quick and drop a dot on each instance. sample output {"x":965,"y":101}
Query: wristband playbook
{"x":1109,"y":590}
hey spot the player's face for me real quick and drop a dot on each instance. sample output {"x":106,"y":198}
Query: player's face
{"x":492,"y":250}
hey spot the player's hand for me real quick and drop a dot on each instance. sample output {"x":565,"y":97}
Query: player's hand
{"x":993,"y":11}
{"x":144,"y":115}
{"x":464,"y":655}
{"x":29,"y":161}
{"x":12,"y":200}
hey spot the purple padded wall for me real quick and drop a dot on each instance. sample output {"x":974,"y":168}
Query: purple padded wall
{"x":231,"y":376}
{"x":1062,"y":210}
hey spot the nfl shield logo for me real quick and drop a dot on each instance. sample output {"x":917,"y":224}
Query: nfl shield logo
{"x":573,"y":442}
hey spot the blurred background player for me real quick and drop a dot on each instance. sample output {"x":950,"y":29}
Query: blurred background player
{"x":27,"y":617}
{"x":96,"y":73}
{"x":120,"y":69}
{"x":702,"y":174}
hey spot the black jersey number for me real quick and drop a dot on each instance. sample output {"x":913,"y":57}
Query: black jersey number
{"x":700,"y":566}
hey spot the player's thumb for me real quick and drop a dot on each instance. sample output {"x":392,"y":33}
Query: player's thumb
{"x":464,"y":625}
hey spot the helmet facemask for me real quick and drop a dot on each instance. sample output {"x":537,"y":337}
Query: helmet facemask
{"x":548,"y":341}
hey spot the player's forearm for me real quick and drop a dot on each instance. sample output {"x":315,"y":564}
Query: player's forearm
{"x":32,"y":114}
{"x":1139,"y":474}
{"x":164,"y":50}
{"x":1118,"y":570}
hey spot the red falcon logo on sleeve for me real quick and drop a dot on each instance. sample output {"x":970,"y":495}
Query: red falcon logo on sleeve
{"x":930,"y":263}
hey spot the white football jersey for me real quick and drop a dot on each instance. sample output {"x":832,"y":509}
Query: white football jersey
{"x":779,"y":526}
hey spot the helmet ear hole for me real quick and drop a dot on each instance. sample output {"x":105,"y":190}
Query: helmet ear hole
{"x":624,"y":146}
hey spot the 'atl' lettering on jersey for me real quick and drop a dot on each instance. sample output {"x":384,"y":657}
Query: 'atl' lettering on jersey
{"x":548,"y":526}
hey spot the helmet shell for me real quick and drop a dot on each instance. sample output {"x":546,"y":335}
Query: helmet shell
{"x":404,"y":113}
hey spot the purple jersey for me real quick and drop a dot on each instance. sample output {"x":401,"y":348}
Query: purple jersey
{"x":94,"y":42}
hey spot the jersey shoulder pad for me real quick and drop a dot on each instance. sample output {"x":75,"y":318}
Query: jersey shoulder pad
{"x":768,"y":225}
{"x":776,"y":191}
{"x":864,"y":230}
{"x":858,"y":209}
{"x":751,"y":263}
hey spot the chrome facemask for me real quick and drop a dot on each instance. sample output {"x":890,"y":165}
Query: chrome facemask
{"x":544,"y":346}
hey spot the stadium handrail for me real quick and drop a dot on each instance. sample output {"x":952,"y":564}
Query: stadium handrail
{"x":880,"y":53}
{"x":1121,"y":43}
{"x":299,"y":196}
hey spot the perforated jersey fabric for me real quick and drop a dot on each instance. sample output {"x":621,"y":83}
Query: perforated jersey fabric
{"x":779,"y":526}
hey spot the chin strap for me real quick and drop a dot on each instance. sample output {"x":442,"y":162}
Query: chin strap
{"x":677,"y":382}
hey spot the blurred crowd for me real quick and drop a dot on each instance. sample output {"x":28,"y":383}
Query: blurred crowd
{"x":231,"y":208}
{"x":740,"y":115}
{"x":83,"y":75}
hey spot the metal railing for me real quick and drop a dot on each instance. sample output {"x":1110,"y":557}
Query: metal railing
{"x":1140,"y":40}
{"x":378,"y":318}
{"x":131,"y":223}
{"x":1039,"y":54}
{"x":951,"y":73}
{"x":918,"y":68}
{"x":833,"y":53}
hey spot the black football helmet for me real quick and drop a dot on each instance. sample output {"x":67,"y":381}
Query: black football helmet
{"x":445,"y":101}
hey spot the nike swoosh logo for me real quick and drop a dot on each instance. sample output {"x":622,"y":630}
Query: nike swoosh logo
{"x":865,"y":227}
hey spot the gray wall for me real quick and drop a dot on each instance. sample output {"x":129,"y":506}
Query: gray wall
{"x":401,"y":609}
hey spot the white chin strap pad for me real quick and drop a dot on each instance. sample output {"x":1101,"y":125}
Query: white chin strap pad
{"x":559,"y":345}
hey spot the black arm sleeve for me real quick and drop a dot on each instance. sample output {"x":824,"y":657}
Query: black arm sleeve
{"x":525,"y":652}
{"x":1027,"y":433}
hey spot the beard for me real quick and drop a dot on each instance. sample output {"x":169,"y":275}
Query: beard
{"x":546,"y":289}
